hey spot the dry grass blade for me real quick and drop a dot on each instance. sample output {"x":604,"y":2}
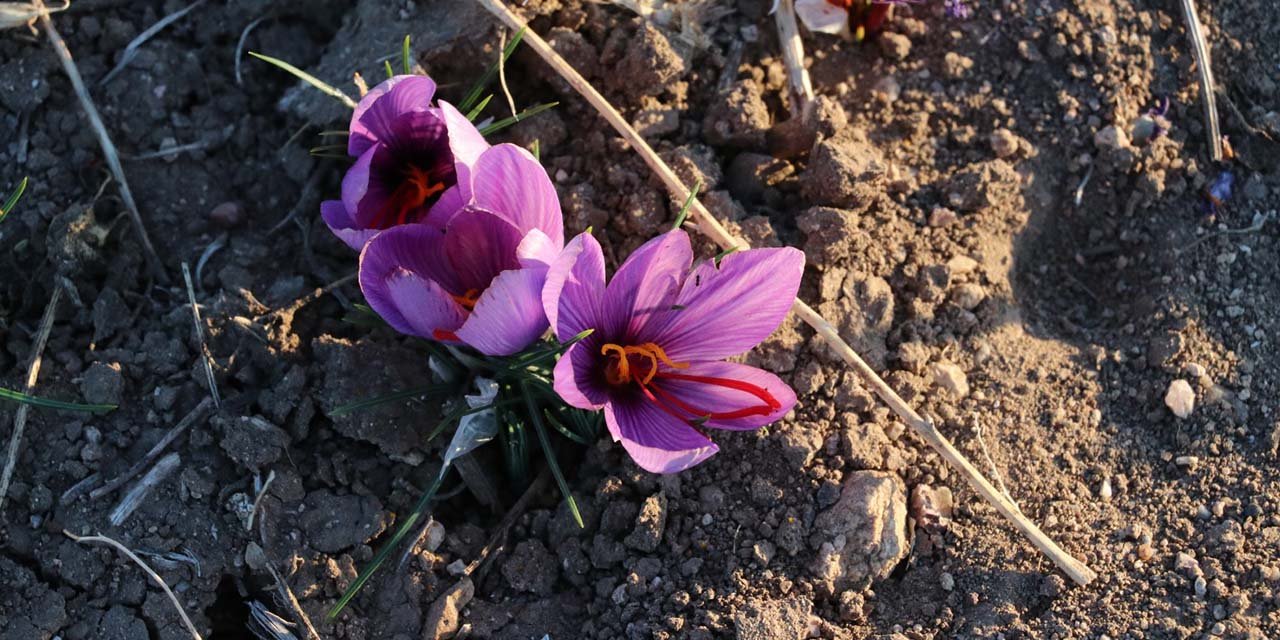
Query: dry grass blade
{"x":712,"y":228}
{"x":17,"y":14}
{"x":146,"y":569}
{"x":33,"y":372}
{"x":131,"y":49}
{"x":133,"y":498}
{"x":1205,"y":68}
{"x":199,"y":327}
{"x":191,"y":418}
{"x":104,"y":140}
{"x":793,"y":58}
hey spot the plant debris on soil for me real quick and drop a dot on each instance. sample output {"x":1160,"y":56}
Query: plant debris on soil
{"x":988,"y":218}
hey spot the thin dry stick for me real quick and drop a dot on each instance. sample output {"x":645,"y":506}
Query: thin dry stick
{"x":132,"y":49}
{"x":33,"y":371}
{"x":191,"y":418}
{"x":713,"y":229}
{"x":480,"y":564}
{"x":502,"y":76}
{"x":286,"y":594}
{"x":146,"y":569}
{"x":104,"y":140}
{"x":257,"y":502}
{"x":204,"y":349}
{"x":793,"y":58}
{"x":1201,"y":51}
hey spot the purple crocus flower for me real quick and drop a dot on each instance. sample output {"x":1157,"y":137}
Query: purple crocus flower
{"x":654,"y":361}
{"x":411,"y":158}
{"x":474,"y":276}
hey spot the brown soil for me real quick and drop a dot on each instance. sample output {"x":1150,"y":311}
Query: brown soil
{"x":939,"y":211}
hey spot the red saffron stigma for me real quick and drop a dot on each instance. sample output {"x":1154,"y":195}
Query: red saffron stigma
{"x":770,"y":405}
{"x":445,"y":336}
{"x":408,"y":196}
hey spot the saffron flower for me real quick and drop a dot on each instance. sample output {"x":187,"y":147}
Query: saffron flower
{"x":654,"y":360}
{"x":851,"y":18}
{"x":475,"y":275}
{"x":412,"y":159}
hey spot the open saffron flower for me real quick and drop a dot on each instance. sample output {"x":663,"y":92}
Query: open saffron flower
{"x":654,"y":362}
{"x":851,"y":18}
{"x":474,"y":277}
{"x":411,"y":158}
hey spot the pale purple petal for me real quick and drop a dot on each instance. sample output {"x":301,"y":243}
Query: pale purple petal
{"x":727,"y":311}
{"x":576,"y":376}
{"x":361,"y":139}
{"x":340,"y":223}
{"x":375,"y":117}
{"x":415,"y":248}
{"x":710,"y":397}
{"x":645,"y":286}
{"x":479,"y":246}
{"x":355,"y":186}
{"x":537,"y":250}
{"x":656,"y":441}
{"x":413,"y":305}
{"x":509,"y":181}
{"x":465,"y":141}
{"x":508,"y":316}
{"x":575,"y":288}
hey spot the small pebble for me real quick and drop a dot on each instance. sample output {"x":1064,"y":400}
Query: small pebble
{"x":948,"y":581}
{"x":227,"y":215}
{"x":1105,"y":491}
{"x":1180,"y":398}
{"x":1186,"y":461}
{"x":1201,"y":586}
{"x":942,"y":217}
{"x":1004,"y":143}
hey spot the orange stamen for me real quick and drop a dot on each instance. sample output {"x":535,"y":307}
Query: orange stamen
{"x":467,"y":300}
{"x":621,"y":372}
{"x":408,"y":196}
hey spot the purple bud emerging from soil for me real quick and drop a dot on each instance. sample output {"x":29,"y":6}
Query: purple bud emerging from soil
{"x":654,"y":361}
{"x":412,"y":160}
{"x":1218,"y":193}
{"x":957,"y":9}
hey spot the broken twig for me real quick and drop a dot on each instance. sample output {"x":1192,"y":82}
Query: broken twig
{"x":712,"y":228}
{"x":104,"y":140}
{"x":204,"y":348}
{"x":33,"y":372}
{"x":1204,"y":65}
{"x":793,"y":58}
{"x":133,"y":497}
{"x":146,"y":569}
{"x":191,"y":418}
{"x":131,"y":49}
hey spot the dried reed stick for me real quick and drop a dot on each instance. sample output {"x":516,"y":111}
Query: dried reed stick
{"x":33,"y":372}
{"x":712,"y":228}
{"x":1205,"y":68}
{"x":793,"y":58}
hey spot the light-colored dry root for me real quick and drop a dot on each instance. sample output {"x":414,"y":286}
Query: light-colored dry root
{"x":33,"y":372}
{"x":711,"y":227}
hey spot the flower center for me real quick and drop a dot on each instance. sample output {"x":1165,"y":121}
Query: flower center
{"x":467,"y":300}
{"x":411,"y":194}
{"x":639,"y":364}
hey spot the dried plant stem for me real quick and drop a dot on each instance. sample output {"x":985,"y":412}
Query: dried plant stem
{"x":104,"y":140}
{"x":793,"y":58}
{"x":33,"y":372}
{"x":714,"y":230}
{"x":479,"y":566}
{"x":146,"y":569}
{"x":286,"y":594}
{"x":204,"y":348}
{"x":1204,"y":65}
{"x":133,"y":497}
{"x":195,"y":415}
{"x":131,"y":50}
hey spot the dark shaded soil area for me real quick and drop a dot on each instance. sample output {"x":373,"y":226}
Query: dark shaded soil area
{"x":985,"y":219}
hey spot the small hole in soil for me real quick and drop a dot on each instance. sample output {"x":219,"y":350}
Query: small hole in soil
{"x":229,"y":614}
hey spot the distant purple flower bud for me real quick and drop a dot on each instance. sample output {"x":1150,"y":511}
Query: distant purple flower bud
{"x":958,"y":9}
{"x":1218,"y":193}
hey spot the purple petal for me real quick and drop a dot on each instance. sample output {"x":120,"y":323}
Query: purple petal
{"x":656,"y":441}
{"x":509,"y":181}
{"x":576,"y":376}
{"x":711,"y":398}
{"x":508,"y":316}
{"x":378,"y":110}
{"x":645,"y":286}
{"x":340,"y":223}
{"x":465,"y":141}
{"x":360,"y":138}
{"x":415,"y":248}
{"x":479,"y":246}
{"x":727,"y":311}
{"x":449,"y":204}
{"x":575,"y":288}
{"x":536,"y":250}
{"x":355,"y":186}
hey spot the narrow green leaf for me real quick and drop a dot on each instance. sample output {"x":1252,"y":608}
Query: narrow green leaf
{"x":390,"y":72}
{"x":720,"y":256}
{"x":22,"y":398}
{"x":428,"y":390}
{"x":536,"y":417}
{"x":523,"y":115}
{"x":564,"y":431}
{"x":475,"y":112}
{"x":536,"y":150}
{"x":489,"y":74}
{"x":418,"y":510}
{"x":406,"y":56}
{"x":688,"y":202}
{"x":308,"y":78}
{"x":335,"y":133}
{"x":12,"y":200}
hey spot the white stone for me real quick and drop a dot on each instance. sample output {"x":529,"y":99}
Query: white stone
{"x":1181,"y":398}
{"x":951,"y":377}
